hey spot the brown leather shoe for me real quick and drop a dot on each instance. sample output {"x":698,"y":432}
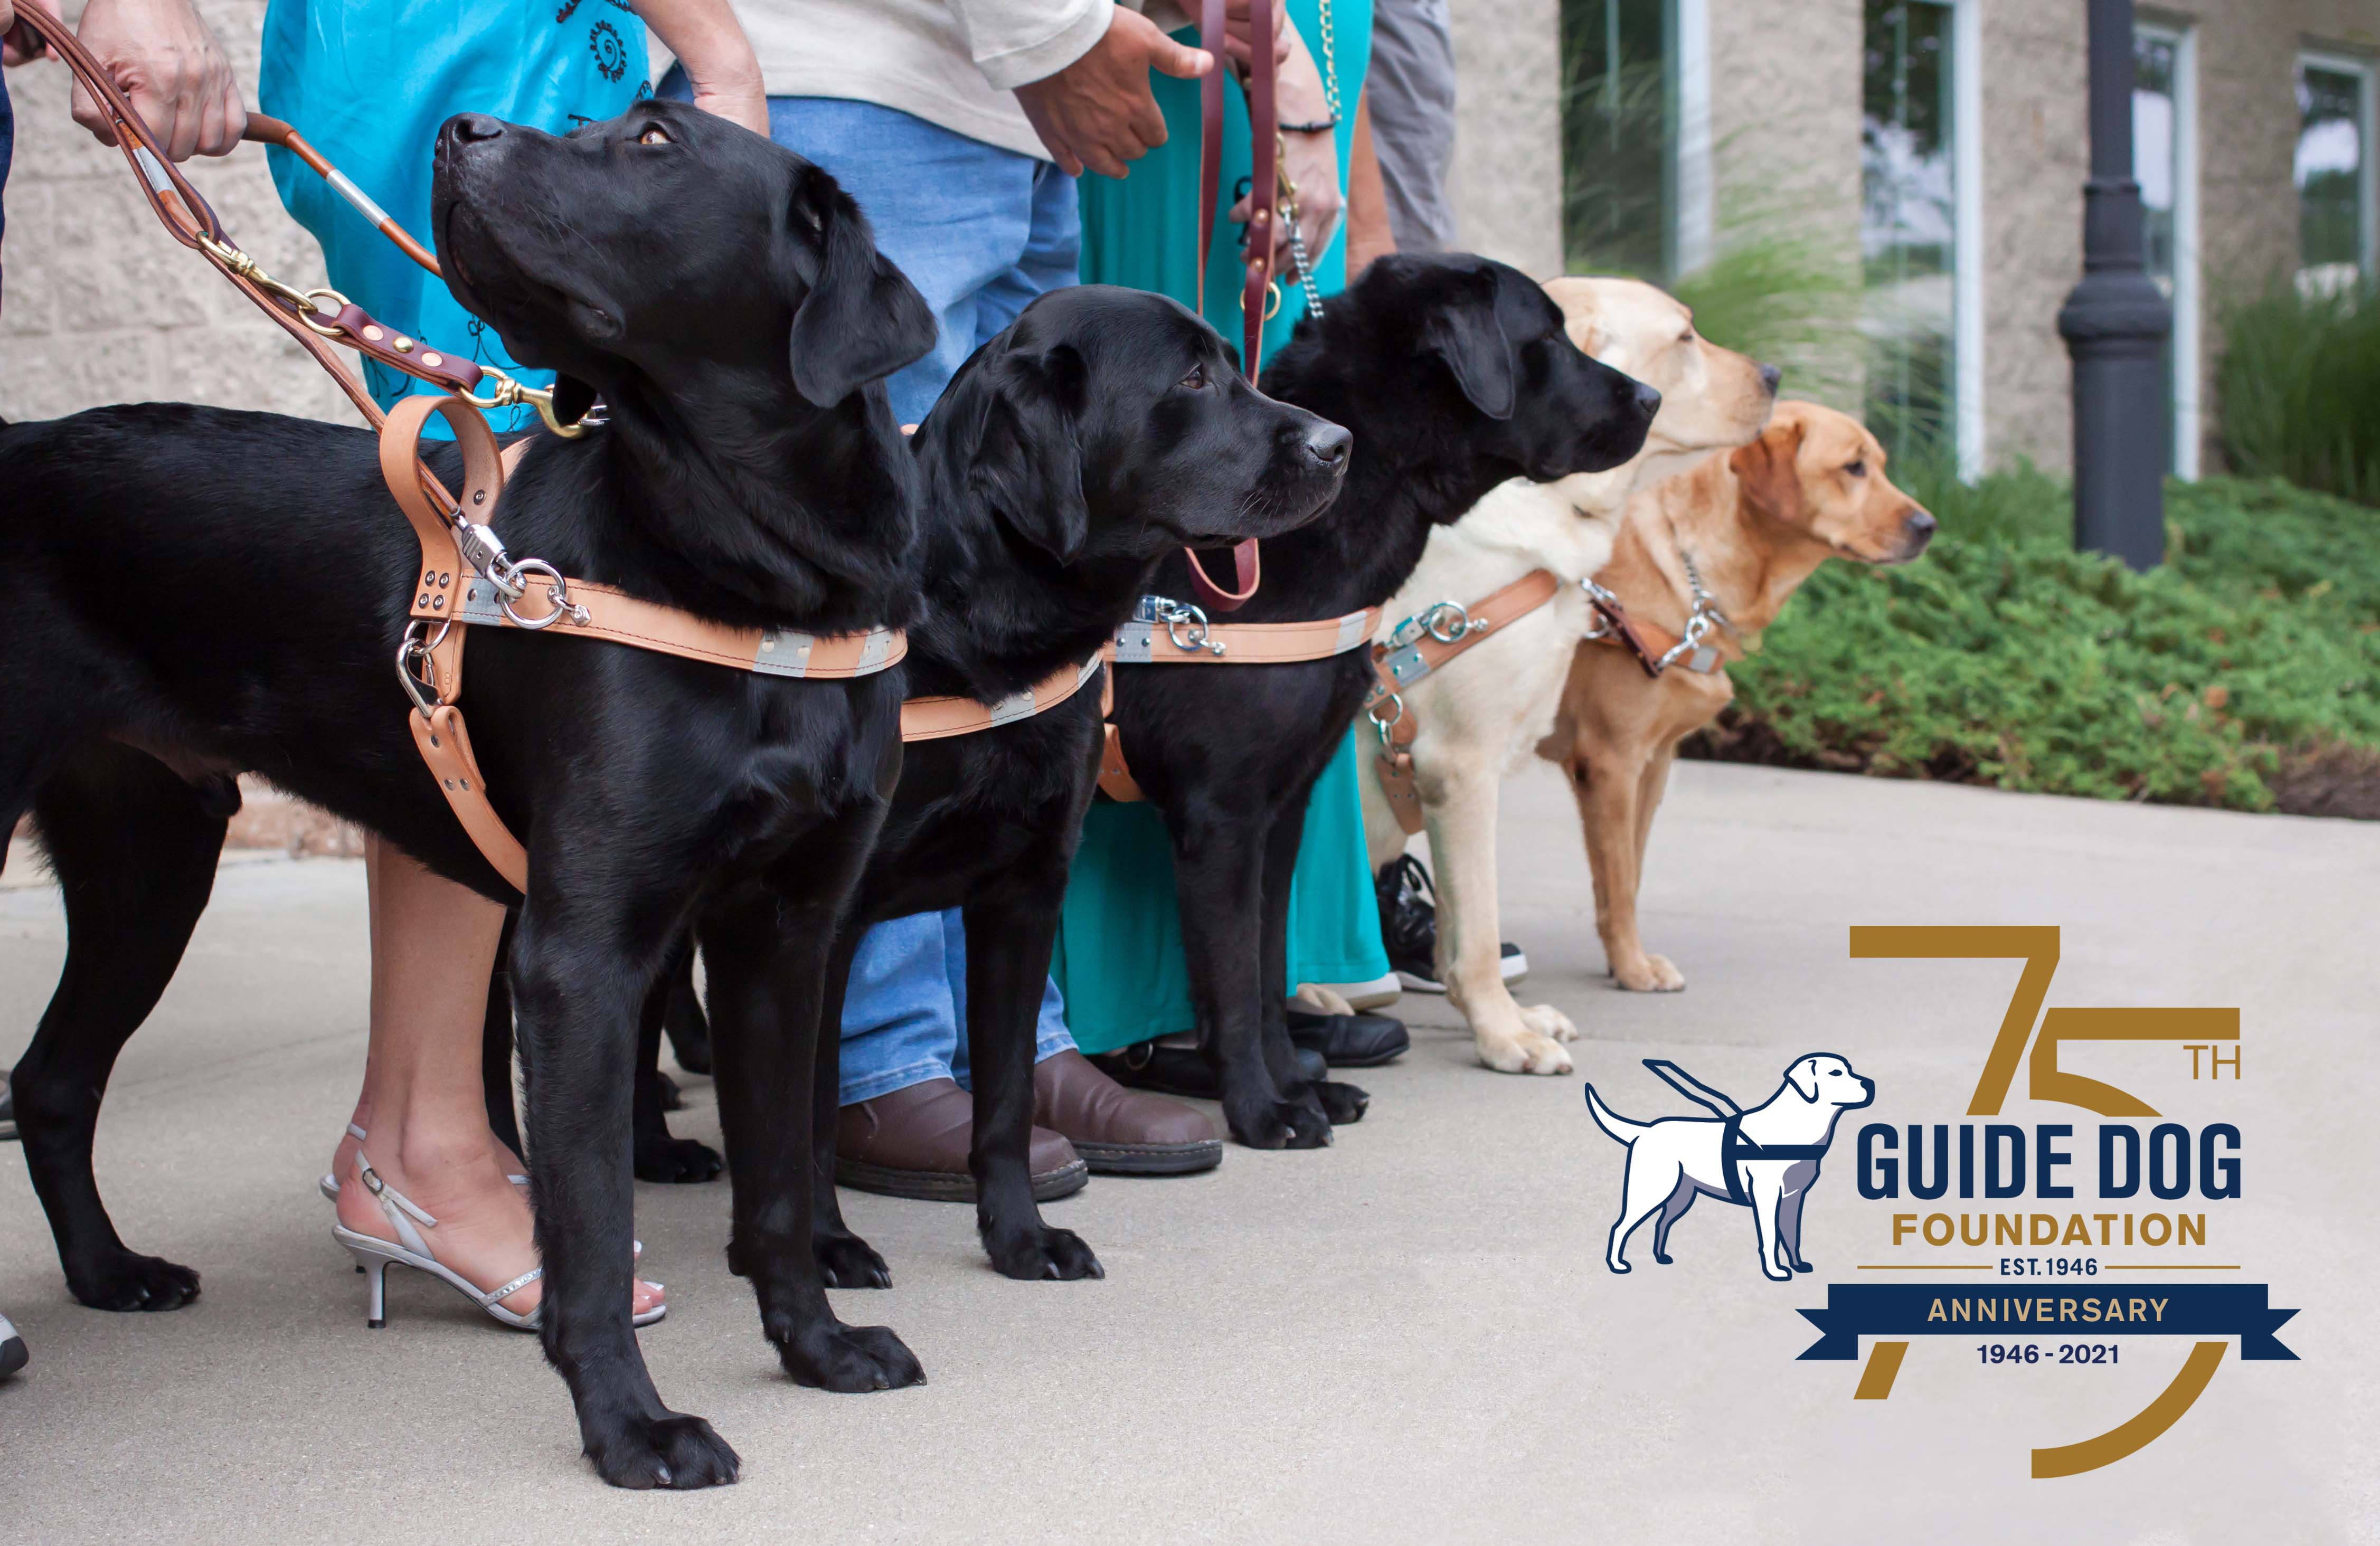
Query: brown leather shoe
{"x":1119,"y":1131}
{"x":914,"y":1143}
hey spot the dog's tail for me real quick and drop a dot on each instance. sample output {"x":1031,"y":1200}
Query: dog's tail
{"x":1620,"y":1128}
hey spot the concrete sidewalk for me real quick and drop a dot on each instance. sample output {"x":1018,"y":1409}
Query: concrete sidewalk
{"x":1410,"y":1336}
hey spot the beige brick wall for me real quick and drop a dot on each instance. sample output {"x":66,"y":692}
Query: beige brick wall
{"x":1785,"y":147}
{"x":102,"y":306}
{"x":2036,"y":155}
{"x":1508,"y":181}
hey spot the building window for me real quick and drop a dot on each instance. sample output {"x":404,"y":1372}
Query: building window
{"x":2165,"y":163}
{"x":1908,"y":223}
{"x":2333,"y":171}
{"x":1618,"y":112}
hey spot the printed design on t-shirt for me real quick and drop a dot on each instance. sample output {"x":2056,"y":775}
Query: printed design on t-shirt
{"x":610,"y":51}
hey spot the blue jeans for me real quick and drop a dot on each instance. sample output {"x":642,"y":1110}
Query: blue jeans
{"x":981,"y":232}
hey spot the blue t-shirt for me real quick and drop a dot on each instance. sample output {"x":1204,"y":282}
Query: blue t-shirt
{"x":368,"y":82}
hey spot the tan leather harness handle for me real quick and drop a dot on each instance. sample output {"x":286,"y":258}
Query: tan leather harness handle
{"x":1421,"y":644}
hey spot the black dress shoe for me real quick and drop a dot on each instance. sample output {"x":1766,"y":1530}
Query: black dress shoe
{"x":1358,"y":1041}
{"x":1183,"y":1070}
{"x":1409,"y":929}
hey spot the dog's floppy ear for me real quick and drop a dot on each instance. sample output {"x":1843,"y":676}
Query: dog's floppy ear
{"x":1028,"y":462}
{"x":862,"y":318}
{"x":1803,"y":1077}
{"x":1767,"y":470}
{"x":1464,"y":331}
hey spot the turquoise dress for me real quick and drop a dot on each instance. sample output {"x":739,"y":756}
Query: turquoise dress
{"x":370,"y":81}
{"x":1119,"y":957}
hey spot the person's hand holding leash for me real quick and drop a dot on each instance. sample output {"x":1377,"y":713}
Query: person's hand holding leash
{"x":1098,"y":112}
{"x":164,"y":58}
{"x":1311,"y":156}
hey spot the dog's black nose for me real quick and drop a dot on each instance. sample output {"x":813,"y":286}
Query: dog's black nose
{"x":1329,"y":444}
{"x":1920,"y":524}
{"x":1769,"y":376}
{"x":470,"y":127}
{"x":1647,"y":401}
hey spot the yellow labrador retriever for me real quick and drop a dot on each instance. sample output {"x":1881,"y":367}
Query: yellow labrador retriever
{"x":1484,"y":709}
{"x":1753,"y":527}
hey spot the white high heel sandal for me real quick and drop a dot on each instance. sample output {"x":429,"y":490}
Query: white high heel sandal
{"x":374,"y":1256}
{"x":328,"y":1184}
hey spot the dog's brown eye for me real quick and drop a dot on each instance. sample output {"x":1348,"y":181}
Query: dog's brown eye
{"x":653,"y":135}
{"x":1196,"y":380}
{"x":1857,"y":469}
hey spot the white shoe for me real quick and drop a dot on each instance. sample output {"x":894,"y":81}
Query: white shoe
{"x":374,"y":1256}
{"x":12,"y":1349}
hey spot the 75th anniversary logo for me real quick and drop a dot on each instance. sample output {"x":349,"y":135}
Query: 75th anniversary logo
{"x":2065,"y":1237}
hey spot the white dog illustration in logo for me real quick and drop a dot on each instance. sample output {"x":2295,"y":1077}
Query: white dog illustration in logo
{"x":1765,"y":1158}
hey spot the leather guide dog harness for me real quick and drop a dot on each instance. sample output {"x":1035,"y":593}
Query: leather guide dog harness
{"x":1163,"y":632}
{"x":1419,"y":645}
{"x":467,"y":579}
{"x":1655,"y":647}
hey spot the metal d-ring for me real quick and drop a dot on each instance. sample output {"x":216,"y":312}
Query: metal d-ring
{"x":1175,"y":616}
{"x":1433,"y":622}
{"x":559,"y":592}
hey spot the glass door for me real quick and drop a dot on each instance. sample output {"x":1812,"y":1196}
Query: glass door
{"x":1909,"y":225}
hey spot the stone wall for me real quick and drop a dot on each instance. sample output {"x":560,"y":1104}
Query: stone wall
{"x":1508,"y":172}
{"x":99,"y":305}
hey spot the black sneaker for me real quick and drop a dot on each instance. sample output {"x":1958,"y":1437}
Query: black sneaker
{"x":8,"y":1108}
{"x":12,"y":1349}
{"x":1409,"y":928}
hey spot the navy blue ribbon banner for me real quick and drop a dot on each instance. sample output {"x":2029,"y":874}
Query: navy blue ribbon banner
{"x":1898,"y":1309}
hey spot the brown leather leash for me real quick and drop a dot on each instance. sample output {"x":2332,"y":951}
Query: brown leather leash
{"x":467,"y":577}
{"x":1259,"y":295}
{"x":1420,"y":644}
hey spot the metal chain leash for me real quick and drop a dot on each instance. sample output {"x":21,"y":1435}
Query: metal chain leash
{"x":1297,"y":253}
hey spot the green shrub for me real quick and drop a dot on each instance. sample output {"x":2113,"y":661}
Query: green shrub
{"x":2298,"y":389}
{"x":2244,"y":673}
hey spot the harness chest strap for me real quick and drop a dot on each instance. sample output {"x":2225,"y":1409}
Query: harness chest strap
{"x":1655,"y":647}
{"x":1161,"y":631}
{"x":1420,"y":645}
{"x":1734,"y":1149}
{"x":450,"y":596}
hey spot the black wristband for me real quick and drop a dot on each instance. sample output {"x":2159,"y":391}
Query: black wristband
{"x":1321,"y":125}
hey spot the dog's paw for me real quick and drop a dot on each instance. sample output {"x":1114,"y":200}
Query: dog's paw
{"x":1775,"y":1273}
{"x":674,"y":1450}
{"x":1341,"y":1103}
{"x":1277,"y":1124}
{"x":1803,"y":1267}
{"x":827,"y":1355}
{"x":847,"y":1261}
{"x":1047,"y":1254}
{"x":1548,"y":1022}
{"x":125,"y":1281}
{"x":1663,"y":1257}
{"x":1649,"y":974}
{"x":680,"y":1161}
{"x":1618,"y":1265}
{"x":1526,"y":1053}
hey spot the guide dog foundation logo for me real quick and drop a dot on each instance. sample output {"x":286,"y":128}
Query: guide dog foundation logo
{"x":2058,"y":1282}
{"x":1763,"y":1158}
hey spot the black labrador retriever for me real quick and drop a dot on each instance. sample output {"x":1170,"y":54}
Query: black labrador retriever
{"x":192,"y":592}
{"x":1099,"y":433}
{"x":1455,"y":375}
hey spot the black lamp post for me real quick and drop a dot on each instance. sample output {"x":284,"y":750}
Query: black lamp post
{"x":2115,"y":325}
